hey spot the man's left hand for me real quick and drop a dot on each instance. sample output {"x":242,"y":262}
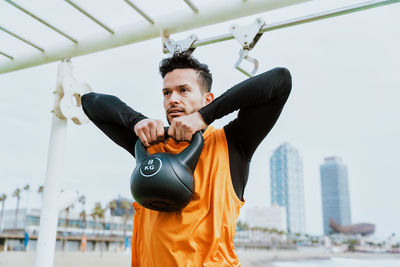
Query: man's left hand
{"x":183,"y":128}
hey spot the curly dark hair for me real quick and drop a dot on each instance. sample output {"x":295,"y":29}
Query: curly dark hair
{"x":185,"y":60}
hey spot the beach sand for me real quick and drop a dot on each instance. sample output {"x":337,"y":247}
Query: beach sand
{"x":248,"y":258}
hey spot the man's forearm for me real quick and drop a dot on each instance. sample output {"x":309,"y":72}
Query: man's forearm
{"x":110,"y":109}
{"x":113,"y":117}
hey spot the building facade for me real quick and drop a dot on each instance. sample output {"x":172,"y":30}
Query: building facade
{"x":108,"y":233}
{"x":273,"y":217}
{"x":335,"y":193}
{"x":287,"y":187}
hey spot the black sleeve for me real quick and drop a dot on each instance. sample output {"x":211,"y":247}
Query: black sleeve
{"x":113,"y":117}
{"x":259,"y":100}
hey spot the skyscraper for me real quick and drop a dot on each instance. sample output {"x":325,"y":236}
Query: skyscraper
{"x":335,"y":193}
{"x":287,"y":188}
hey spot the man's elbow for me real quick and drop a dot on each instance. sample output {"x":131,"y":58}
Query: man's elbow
{"x":88,"y":101}
{"x":285,"y":81}
{"x":88,"y":98}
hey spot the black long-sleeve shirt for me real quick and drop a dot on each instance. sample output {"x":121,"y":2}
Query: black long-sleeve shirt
{"x":259,"y":100}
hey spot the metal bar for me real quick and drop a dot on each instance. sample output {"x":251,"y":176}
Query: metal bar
{"x":7,"y":55}
{"x":89,"y":16}
{"x":141,"y":12}
{"x":42,"y":21}
{"x":170,"y":23}
{"x":329,"y":14}
{"x":216,"y":12}
{"x":192,"y":6}
{"x":214,"y":39}
{"x":302,"y":20}
{"x":22,"y":39}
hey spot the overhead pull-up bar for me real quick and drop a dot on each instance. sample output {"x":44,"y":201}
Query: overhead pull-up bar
{"x":87,"y":14}
{"x":26,"y":11}
{"x":179,"y":21}
{"x":192,"y":6}
{"x":302,"y":20}
{"x":22,"y":39}
{"x":140,"y":11}
{"x":248,"y":35}
{"x":6,"y":55}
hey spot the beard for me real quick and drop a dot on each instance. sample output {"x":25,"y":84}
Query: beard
{"x":184,"y":112}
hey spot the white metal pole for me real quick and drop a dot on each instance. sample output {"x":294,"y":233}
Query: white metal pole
{"x":49,"y":213}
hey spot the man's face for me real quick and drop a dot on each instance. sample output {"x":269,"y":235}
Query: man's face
{"x":183,"y":94}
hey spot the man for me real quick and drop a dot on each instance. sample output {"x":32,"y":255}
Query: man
{"x":201,"y":234}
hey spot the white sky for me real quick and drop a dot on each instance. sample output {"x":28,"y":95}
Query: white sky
{"x":344,"y":103}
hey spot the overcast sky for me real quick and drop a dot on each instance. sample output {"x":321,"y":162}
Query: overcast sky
{"x":344,"y":103}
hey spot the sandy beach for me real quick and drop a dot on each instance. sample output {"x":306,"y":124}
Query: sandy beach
{"x":248,"y":258}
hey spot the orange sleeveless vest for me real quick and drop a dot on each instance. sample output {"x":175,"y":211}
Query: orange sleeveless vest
{"x":202,"y":233}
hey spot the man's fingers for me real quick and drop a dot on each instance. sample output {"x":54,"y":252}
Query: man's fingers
{"x":188,"y":135}
{"x":160,"y":132}
{"x":153,"y":135}
{"x":143,"y":139}
{"x":171,"y":131}
{"x":150,"y":131}
{"x":180,"y":131}
{"x":183,"y":133}
{"x":177,"y":133}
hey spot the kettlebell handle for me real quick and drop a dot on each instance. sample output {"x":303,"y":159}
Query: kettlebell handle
{"x":189,"y":156}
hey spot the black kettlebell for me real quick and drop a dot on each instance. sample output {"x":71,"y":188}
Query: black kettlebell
{"x":164,"y":181}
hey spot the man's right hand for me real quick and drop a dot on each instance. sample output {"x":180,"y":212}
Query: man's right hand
{"x":150,"y":131}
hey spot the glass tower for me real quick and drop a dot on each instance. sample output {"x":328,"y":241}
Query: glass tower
{"x":287,"y":188}
{"x":335,"y":193}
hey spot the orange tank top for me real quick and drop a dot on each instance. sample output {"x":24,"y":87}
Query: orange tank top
{"x":201,"y":234}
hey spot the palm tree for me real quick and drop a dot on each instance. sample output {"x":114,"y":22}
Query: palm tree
{"x":82,"y":216}
{"x":242,"y":225}
{"x":112,"y":206}
{"x":40,"y":190}
{"x":98,"y":212}
{"x":27,"y":189}
{"x":126,"y":206}
{"x":67,"y":215}
{"x":82,"y":200}
{"x":3,"y":198}
{"x":66,"y":224}
{"x":17,"y":194}
{"x":94,"y":217}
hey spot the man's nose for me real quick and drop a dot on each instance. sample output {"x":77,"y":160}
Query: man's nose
{"x":174,"y":97}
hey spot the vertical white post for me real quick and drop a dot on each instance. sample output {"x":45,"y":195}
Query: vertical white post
{"x":55,"y":161}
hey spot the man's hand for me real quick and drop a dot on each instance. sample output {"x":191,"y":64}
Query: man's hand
{"x":183,"y":128}
{"x":150,"y":131}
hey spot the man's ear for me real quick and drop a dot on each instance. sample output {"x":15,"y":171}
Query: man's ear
{"x":209,"y":97}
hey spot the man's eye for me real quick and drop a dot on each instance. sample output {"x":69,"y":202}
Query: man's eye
{"x":184,"y":90}
{"x":166,"y":93}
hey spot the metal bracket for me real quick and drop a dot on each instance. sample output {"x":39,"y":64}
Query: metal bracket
{"x":244,"y":54}
{"x":171,"y":46}
{"x":68,"y":104}
{"x":247,"y":36}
